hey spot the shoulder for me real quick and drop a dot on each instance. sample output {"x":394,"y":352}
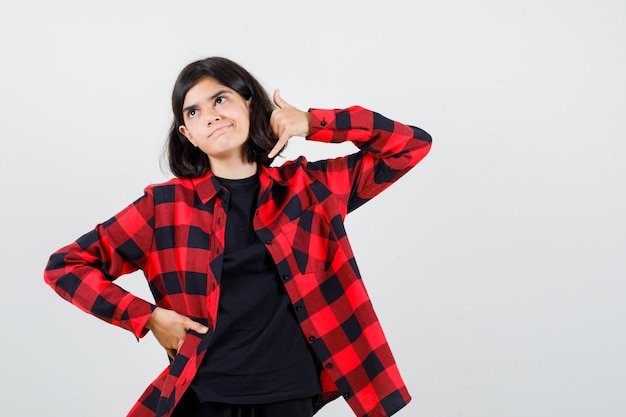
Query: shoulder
{"x":288,"y":168}
{"x":298,"y":166}
{"x":296,"y":170}
{"x":172,"y":182}
{"x":169,"y":190}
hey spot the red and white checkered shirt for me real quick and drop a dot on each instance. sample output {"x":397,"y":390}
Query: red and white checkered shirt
{"x":175,"y":234}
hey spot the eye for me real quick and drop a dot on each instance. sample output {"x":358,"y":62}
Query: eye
{"x":220,"y":100}
{"x":192,"y":113}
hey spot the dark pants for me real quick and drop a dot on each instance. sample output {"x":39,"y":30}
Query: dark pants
{"x":190,"y":407}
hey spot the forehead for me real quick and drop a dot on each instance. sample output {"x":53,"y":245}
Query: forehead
{"x":204,"y":89}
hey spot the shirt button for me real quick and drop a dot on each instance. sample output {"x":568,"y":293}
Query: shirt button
{"x":298,"y":307}
{"x":323,"y":123}
{"x":311,"y":338}
{"x":346,"y":395}
{"x":268,"y":241}
{"x":285,"y":277}
{"x":329,"y":365}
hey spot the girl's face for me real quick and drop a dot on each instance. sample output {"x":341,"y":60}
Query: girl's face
{"x":217,"y":120}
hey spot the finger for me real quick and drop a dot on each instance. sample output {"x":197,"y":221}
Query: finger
{"x":273,"y":152}
{"x":171,"y":353}
{"x":279,"y":145}
{"x":196,"y":327}
{"x":279,"y":100}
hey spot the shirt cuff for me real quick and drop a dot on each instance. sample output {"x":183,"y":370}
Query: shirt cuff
{"x":138,"y":313}
{"x":322,"y":125}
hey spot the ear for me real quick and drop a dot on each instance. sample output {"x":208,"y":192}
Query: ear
{"x":183,"y":130}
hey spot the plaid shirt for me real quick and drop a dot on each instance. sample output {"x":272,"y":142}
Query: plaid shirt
{"x":175,"y":234}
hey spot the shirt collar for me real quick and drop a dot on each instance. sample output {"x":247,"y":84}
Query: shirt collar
{"x":207,"y":186}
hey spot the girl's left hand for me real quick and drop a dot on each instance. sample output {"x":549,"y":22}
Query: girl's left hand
{"x":287,"y":121}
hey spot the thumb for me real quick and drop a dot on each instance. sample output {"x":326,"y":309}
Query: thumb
{"x":197,"y":327}
{"x":279,"y":100}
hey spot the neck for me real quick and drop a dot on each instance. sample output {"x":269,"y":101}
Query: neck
{"x":233,"y":170}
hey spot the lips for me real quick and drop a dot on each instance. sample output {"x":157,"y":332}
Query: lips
{"x":218,"y":130}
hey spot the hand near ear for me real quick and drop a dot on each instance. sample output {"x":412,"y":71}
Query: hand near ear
{"x":287,"y":121}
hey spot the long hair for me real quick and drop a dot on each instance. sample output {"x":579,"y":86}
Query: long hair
{"x":187,"y":161}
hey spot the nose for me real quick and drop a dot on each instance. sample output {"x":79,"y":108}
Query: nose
{"x":212,"y":116}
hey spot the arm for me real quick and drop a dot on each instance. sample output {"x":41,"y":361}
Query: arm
{"x":388,"y":149}
{"x":83,"y":271}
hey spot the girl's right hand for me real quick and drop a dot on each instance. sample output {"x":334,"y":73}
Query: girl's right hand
{"x":170,"y":329}
{"x":287,"y":121}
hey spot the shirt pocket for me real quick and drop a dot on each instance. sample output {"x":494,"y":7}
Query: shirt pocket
{"x":311,"y":240}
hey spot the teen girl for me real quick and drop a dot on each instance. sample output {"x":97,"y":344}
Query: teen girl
{"x":258,"y":300}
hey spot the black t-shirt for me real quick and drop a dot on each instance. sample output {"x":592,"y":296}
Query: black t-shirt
{"x":258,"y":353}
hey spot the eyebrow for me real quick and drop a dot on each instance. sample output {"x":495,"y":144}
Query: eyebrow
{"x":213,"y":97}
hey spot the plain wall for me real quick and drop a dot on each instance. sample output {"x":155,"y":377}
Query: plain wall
{"x":496,"y":266}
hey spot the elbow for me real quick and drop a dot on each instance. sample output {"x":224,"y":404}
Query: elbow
{"x":54,"y":268}
{"x":421,"y":135}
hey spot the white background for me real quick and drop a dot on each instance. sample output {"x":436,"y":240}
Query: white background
{"x":497,"y":265}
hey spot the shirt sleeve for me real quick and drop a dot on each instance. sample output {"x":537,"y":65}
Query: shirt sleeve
{"x":388,"y":150}
{"x":83,"y":271}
